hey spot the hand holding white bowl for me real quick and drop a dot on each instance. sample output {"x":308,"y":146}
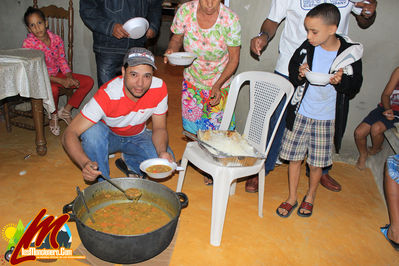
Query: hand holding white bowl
{"x":181,"y":58}
{"x":136,"y":27}
{"x":316,"y":78}
{"x":158,"y":161}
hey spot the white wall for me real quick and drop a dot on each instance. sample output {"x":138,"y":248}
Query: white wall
{"x":381,"y":43}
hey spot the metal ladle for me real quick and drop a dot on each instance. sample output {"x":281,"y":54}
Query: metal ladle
{"x":84,"y":203}
{"x":135,"y":195}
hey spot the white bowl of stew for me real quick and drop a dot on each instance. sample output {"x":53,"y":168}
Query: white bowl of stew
{"x":157,"y":167}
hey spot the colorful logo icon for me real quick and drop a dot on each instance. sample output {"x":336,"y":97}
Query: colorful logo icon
{"x":44,"y":237}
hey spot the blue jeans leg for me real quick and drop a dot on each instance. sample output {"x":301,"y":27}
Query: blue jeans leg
{"x":99,"y":141}
{"x":95,"y":143}
{"x":138,"y":148}
{"x":109,"y":65}
{"x":276,"y":144}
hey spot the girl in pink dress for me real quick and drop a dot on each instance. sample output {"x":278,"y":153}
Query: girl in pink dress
{"x":52,"y":46}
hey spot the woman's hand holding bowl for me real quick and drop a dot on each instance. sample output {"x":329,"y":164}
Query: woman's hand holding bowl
{"x":165,"y":58}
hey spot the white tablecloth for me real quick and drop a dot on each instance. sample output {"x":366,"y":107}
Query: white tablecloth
{"x":24,"y":72}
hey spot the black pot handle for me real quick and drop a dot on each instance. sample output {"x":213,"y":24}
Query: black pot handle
{"x":183,"y":199}
{"x":68,"y":209}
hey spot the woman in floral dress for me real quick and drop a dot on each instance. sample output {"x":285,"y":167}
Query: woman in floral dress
{"x":210,"y":30}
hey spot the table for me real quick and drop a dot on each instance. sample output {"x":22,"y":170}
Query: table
{"x":24,"y":72}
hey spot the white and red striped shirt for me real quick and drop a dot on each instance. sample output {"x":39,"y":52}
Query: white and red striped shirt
{"x":122,"y":115}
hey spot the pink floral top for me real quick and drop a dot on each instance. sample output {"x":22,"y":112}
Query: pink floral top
{"x":210,"y":45}
{"x":54,"y":55}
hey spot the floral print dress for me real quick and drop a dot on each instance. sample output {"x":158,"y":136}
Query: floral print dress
{"x":211,"y":47}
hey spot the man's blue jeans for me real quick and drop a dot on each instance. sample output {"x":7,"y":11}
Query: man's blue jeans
{"x":109,"y":65}
{"x":276,"y":144}
{"x":99,"y":141}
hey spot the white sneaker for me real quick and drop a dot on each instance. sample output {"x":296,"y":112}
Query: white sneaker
{"x":278,"y":162}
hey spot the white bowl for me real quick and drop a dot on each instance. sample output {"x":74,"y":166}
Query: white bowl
{"x":316,"y":78}
{"x":157,"y":161}
{"x":136,"y":27}
{"x":181,"y":58}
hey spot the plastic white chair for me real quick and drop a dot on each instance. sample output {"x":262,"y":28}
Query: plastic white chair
{"x":266,"y":92}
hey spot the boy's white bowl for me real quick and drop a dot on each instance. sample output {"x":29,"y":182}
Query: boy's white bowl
{"x":136,"y":27}
{"x":181,"y":58}
{"x":316,"y":78}
{"x":157,"y":161}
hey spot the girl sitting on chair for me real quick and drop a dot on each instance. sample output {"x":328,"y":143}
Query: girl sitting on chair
{"x":40,"y":38}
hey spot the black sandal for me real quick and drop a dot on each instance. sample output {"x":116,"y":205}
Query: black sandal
{"x":121,"y":165}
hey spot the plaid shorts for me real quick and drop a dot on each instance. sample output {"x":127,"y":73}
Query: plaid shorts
{"x":309,"y":136}
{"x":393,"y":167}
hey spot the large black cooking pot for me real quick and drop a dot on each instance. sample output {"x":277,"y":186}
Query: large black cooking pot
{"x":125,"y":249}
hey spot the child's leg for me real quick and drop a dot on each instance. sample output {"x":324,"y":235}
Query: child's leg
{"x":319,"y":155}
{"x":314,"y":180}
{"x":55,"y":91}
{"x":86,"y":84}
{"x":294,"y":170}
{"x":360,"y":134}
{"x":391,"y":188}
{"x":294,"y":149}
{"x":54,"y":127}
{"x":377,"y":137}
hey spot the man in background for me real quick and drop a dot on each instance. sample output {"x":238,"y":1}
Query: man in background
{"x":110,"y":40}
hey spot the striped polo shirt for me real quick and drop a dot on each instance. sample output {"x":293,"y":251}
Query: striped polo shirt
{"x":123,"y":116}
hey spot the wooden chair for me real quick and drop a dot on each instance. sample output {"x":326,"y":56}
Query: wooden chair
{"x":60,"y":21}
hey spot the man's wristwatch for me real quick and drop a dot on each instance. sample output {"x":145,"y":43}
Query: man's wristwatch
{"x":264,"y":33}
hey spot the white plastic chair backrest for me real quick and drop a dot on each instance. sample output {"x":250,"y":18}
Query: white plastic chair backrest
{"x":266,"y":91}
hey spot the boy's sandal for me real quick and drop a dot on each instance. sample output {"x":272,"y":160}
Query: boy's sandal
{"x":305,"y":206}
{"x":53,"y":124}
{"x":121,"y":165}
{"x":65,"y":115}
{"x":288,"y":207}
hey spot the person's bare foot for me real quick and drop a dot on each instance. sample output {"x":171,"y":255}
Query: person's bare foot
{"x":306,"y":199}
{"x":373,"y":151}
{"x":393,"y":234}
{"x":361,"y":163}
{"x":284,"y":211}
{"x":208,"y":180}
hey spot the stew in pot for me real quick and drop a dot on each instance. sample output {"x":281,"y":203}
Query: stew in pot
{"x":128,"y":218}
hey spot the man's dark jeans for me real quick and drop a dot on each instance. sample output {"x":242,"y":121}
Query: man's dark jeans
{"x":109,"y":65}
